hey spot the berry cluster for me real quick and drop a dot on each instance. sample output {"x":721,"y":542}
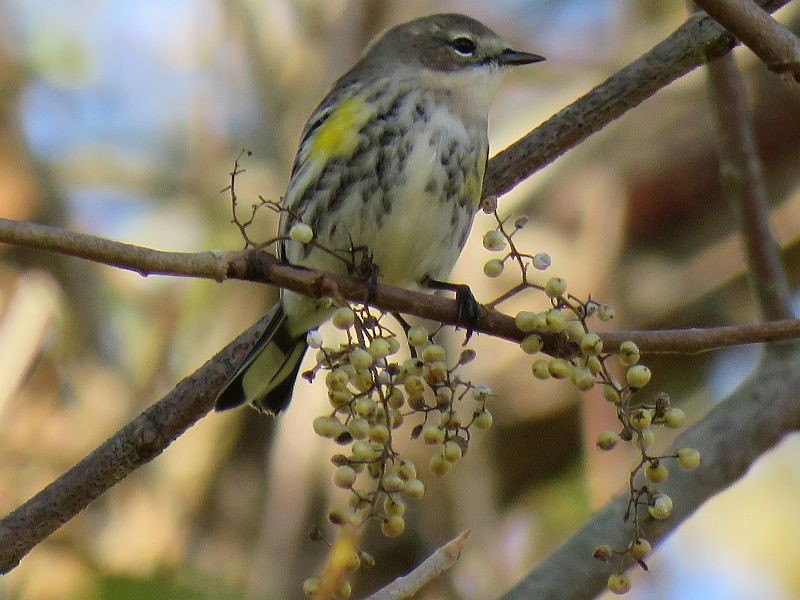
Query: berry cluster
{"x":372,"y":394}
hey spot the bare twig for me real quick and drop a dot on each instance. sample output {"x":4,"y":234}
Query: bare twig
{"x":743,"y":183}
{"x":433,"y":566}
{"x":748,"y":423}
{"x":699,"y":40}
{"x":774,"y":44}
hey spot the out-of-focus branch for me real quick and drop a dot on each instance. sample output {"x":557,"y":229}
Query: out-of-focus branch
{"x":433,"y":566}
{"x":699,"y":40}
{"x":264,"y":268}
{"x":137,"y":443}
{"x":749,"y":422}
{"x":743,"y":183}
{"x":774,"y":44}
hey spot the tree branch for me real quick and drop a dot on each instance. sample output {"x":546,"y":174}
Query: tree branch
{"x":749,"y":422}
{"x":774,"y":44}
{"x":433,"y":566}
{"x":699,"y":40}
{"x":743,"y":183}
{"x":262,"y":267}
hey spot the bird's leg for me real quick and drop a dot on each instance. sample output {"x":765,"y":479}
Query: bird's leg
{"x":469,"y":310}
{"x":362,"y":266}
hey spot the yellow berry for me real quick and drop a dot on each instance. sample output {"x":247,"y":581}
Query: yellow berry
{"x":674,"y":418}
{"x":379,"y":348}
{"x":364,"y":407}
{"x":344,"y":477}
{"x":641,"y":418}
{"x":656,"y":473}
{"x":407,"y":470}
{"x":451,"y":451}
{"x":575,"y":331}
{"x":393,"y":483}
{"x":360,"y":359}
{"x":484,"y":420}
{"x":414,"y":386}
{"x":392,"y":507}
{"x":606,"y":312}
{"x":532,"y":344}
{"x":393,"y":526}
{"x":556,"y":320}
{"x":379,"y":434}
{"x":433,"y":353}
{"x":582,"y":378}
{"x":541,"y":368}
{"x":603,"y":552}
{"x":311,"y":587}
{"x":638,"y":376}
{"x":493,"y":268}
{"x":414,"y":488}
{"x":432,"y":435}
{"x":607,"y":440}
{"x":358,"y":428}
{"x":648,"y":439}
{"x":328,"y":427}
{"x":610,"y":394}
{"x":559,"y":368}
{"x":302,"y":233}
{"x":525,"y":321}
{"x":395,"y":399}
{"x":591,"y":344}
{"x":688,"y":458}
{"x":439,"y":465}
{"x":594,"y":364}
{"x":640,"y":549}
{"x":555,"y":287}
{"x":628,"y":354}
{"x":619,"y":583}
{"x":343,"y":318}
{"x":417,"y":336}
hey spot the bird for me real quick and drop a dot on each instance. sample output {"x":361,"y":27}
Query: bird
{"x":392,"y":162}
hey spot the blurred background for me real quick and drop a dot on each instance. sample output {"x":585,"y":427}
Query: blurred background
{"x":123,"y":118}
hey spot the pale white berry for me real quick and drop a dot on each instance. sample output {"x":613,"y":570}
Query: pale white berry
{"x":542,"y":261}
{"x":494,"y":241}
{"x":314,"y":339}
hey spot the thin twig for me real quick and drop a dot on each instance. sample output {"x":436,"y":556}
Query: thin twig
{"x":773,"y":43}
{"x":433,"y":566}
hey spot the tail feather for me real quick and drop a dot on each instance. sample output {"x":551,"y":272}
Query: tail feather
{"x":266,"y":377}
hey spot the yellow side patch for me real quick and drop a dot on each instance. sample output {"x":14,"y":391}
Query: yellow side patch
{"x":474,"y":186}
{"x":338,"y":135}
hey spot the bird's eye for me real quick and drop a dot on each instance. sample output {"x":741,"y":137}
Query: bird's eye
{"x":463,"y":46}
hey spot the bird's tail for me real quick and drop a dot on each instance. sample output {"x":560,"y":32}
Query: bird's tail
{"x":266,"y":377}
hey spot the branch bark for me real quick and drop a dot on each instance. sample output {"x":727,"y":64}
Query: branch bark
{"x":699,"y":40}
{"x":743,"y":183}
{"x":749,"y":422}
{"x":773,"y":43}
{"x":262,"y":267}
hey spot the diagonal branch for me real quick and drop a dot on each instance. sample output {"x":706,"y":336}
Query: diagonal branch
{"x":774,"y":44}
{"x":743,"y":183}
{"x":699,"y":40}
{"x":748,"y":423}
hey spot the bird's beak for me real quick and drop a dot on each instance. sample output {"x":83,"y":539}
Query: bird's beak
{"x":511,"y":58}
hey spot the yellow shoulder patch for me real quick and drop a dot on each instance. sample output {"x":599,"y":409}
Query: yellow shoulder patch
{"x":338,"y":135}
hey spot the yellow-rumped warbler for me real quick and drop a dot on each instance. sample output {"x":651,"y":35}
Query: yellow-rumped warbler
{"x":392,"y":161}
